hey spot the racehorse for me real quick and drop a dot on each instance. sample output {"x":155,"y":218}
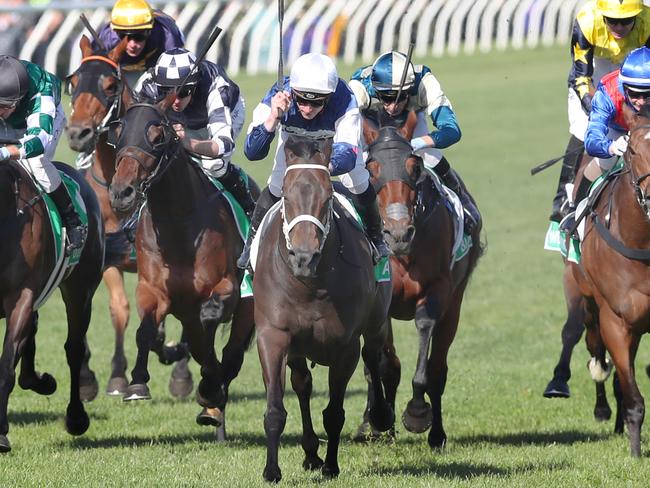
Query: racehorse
{"x":315,"y":295}
{"x":28,"y":261}
{"x":427,"y":285}
{"x":99,"y":96}
{"x":187,"y":243}
{"x":614,"y":270}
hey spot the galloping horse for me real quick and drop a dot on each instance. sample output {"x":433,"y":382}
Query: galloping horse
{"x":428,"y":285}
{"x":27,"y":261}
{"x":614,"y":271}
{"x":99,"y":96}
{"x":187,"y":244}
{"x":315,"y":295}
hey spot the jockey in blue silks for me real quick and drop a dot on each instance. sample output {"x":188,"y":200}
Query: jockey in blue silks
{"x":606,"y":136}
{"x":313,"y":101}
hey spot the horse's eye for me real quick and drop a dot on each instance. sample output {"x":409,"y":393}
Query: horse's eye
{"x":155,"y":135}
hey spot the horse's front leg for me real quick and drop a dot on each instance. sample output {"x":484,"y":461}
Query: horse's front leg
{"x":30,"y":379}
{"x":152,"y":311}
{"x":273,"y":346}
{"x":302,"y":384}
{"x":598,"y":365}
{"x":417,"y":415}
{"x":118,"y":305}
{"x":334,"y":415}
{"x":19,"y":319}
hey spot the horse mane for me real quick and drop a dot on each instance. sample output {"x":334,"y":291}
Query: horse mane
{"x":644,"y":112}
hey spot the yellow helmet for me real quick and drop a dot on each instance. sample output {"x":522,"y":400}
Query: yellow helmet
{"x":131,"y":15}
{"x":619,"y":9}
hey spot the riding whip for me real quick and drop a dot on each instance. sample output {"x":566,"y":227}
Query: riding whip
{"x":280,"y":61}
{"x":551,"y":162}
{"x":213,"y":37}
{"x":406,"y":65}
{"x":93,"y":33}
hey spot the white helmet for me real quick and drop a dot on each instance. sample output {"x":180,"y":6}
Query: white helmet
{"x":314,"y":73}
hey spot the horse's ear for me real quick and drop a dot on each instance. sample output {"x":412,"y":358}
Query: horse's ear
{"x":629,"y":115}
{"x":408,"y":128}
{"x":86,"y":48}
{"x":167,"y":102}
{"x":369,"y":132}
{"x":116,"y":53}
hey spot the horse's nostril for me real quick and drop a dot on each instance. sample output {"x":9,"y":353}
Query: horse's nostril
{"x":128,"y":192}
{"x":87,"y":132}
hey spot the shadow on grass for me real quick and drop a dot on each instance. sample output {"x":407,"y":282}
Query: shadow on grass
{"x":567,"y":437}
{"x":464,"y":471}
{"x":27,"y":418}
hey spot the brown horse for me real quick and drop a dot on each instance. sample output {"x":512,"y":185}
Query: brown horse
{"x":27,"y":261}
{"x":187,"y":245}
{"x":426,"y":287}
{"x":315,"y":295}
{"x":99,"y":96}
{"x":614,"y":271}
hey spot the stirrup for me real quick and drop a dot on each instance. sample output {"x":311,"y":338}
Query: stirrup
{"x":379,"y":250}
{"x":568,"y":223}
{"x":73,"y":244}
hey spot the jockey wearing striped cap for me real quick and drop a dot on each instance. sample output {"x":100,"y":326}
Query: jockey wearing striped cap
{"x":208,"y":114}
{"x":313,"y":100}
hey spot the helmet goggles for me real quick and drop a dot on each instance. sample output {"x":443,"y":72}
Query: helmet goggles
{"x":310,"y":98}
{"x":134,"y":35}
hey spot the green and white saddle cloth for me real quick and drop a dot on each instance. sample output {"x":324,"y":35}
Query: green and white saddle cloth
{"x":63,"y":263}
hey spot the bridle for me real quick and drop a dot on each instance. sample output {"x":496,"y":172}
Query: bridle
{"x":641,"y":196}
{"x":161,"y":153}
{"x":323,"y":227}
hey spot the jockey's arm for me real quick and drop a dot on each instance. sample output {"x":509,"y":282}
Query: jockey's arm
{"x":261,"y":130}
{"x":430,"y":95}
{"x":602,"y":113}
{"x":345,"y":148}
{"x":582,"y":59}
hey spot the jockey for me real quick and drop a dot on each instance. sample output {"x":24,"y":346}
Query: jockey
{"x":604,"y":32}
{"x":30,"y":103}
{"x":149,"y":33}
{"x":208,"y":114}
{"x":313,"y":99}
{"x":606,"y":137}
{"x":377,"y":86}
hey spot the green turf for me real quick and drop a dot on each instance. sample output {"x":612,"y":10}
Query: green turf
{"x":512,"y":109}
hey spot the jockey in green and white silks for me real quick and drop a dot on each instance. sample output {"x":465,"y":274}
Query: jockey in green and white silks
{"x":377,"y":86}
{"x":30,"y":104}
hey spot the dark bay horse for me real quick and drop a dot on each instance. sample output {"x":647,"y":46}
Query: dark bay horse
{"x":315,"y":296}
{"x":27,"y":261}
{"x":99,"y":95}
{"x":187,"y":245}
{"x":426,"y":287}
{"x":614,"y":271}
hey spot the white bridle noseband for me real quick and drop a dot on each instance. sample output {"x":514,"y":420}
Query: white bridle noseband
{"x":288,"y":226}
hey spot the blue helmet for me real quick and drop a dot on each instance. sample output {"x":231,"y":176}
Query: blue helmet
{"x":635,"y":72}
{"x":387,"y":72}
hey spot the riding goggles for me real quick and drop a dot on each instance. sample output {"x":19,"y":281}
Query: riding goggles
{"x":624,"y":21}
{"x":636,"y":93}
{"x":390,"y":96}
{"x":309,"y":98}
{"x":137,"y":36}
{"x":184,"y":92}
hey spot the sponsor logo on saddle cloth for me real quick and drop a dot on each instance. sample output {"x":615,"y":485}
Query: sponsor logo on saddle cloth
{"x":382,"y":268}
{"x":63,"y":264}
{"x":462,"y":242}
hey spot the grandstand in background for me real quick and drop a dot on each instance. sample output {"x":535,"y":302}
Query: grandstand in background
{"x":349,"y":30}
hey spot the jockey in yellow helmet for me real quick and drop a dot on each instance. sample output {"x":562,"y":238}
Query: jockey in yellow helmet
{"x":604,"y":32}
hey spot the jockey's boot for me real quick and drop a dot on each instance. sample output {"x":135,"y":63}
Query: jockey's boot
{"x":366,"y":205}
{"x":72,"y":223}
{"x":234,"y":182}
{"x":264,"y":203}
{"x":569,"y":223}
{"x":450,"y":180}
{"x":573,"y":155}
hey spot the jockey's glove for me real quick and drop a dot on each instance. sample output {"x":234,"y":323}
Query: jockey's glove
{"x":4,"y":154}
{"x":585,"y":101}
{"x":419,"y":143}
{"x":619,"y":146}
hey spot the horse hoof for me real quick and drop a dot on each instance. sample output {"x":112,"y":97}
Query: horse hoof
{"x":330,"y":471}
{"x":602,"y":414}
{"x":417,"y":419}
{"x":437,"y":440}
{"x":210,"y":417}
{"x":5,"y":446}
{"x":557,"y":389}
{"x":173,"y":352}
{"x":382,"y":417}
{"x":210,"y":398}
{"x":366,"y":434}
{"x":43,"y":384}
{"x":312,"y":463}
{"x":136,"y":392}
{"x":180,"y":381}
{"x":76,"y":424}
{"x":117,"y":386}
{"x":88,"y":386}
{"x":273,"y":475}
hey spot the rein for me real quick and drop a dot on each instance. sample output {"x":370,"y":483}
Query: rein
{"x":288,"y":226}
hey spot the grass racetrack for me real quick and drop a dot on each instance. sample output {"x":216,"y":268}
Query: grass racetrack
{"x":501,"y":431}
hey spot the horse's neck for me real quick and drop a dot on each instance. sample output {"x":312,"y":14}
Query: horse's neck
{"x":105,"y":160}
{"x":174,"y":195}
{"x":631,"y":220}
